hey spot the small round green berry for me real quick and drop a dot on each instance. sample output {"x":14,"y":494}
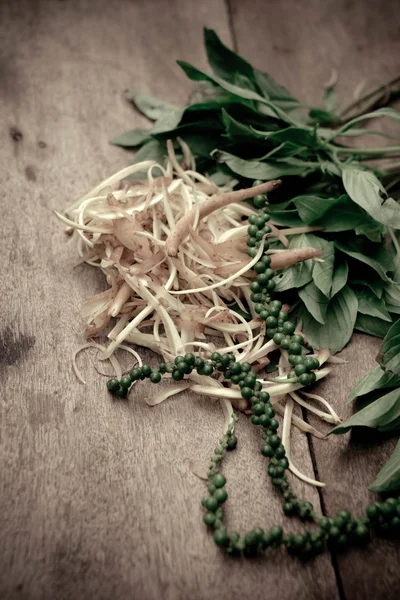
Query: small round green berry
{"x":210,"y":503}
{"x":294,"y":348}
{"x":209,"y":519}
{"x":208,"y":369}
{"x":289,"y":327}
{"x":232,"y":443}
{"x":265,"y":421}
{"x":260,"y":200}
{"x":113,"y":384}
{"x":246,"y":393}
{"x":177,"y":375}
{"x":304,"y":379}
{"x":221,"y":537}
{"x":135,"y":374}
{"x":147,"y":370}
{"x":155,"y":377}
{"x":252,"y":230}
{"x":220,"y":495}
{"x":267,"y":451}
{"x":121,"y":392}
{"x":300,"y":369}
{"x":189,"y":359}
{"x":126,"y":381}
{"x":219,"y":480}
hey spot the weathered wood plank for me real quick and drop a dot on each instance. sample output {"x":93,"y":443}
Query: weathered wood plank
{"x":97,"y":500}
{"x":300,"y":43}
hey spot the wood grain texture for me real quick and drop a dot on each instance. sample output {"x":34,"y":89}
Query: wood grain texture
{"x":299,"y":43}
{"x":96,"y":497}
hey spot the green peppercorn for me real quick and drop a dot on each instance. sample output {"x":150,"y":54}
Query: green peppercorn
{"x":280,"y":452}
{"x":278,"y":338}
{"x":270,"y":412}
{"x":304,"y":379}
{"x":264,"y":420}
{"x":210,"y":503}
{"x":220,"y":495}
{"x":155,"y":377}
{"x":219,"y":480}
{"x":221,"y":537}
{"x":135,"y":374}
{"x":267,"y":451}
{"x":208,"y":369}
{"x":246,"y":392}
{"x":198,"y":362}
{"x":300,"y":369}
{"x":260,"y":200}
{"x":209,"y":519}
{"x":289,"y":327}
{"x":121,"y":392}
{"x":177,"y":375}
{"x":113,"y":385}
{"x":232,"y":443}
{"x":274,"y":441}
{"x":252,"y":230}
{"x":311,"y":363}
{"x":126,"y":381}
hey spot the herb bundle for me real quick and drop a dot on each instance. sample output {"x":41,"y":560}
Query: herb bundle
{"x":243,"y":126}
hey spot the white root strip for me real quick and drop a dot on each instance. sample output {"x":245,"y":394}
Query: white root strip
{"x":173,"y":252}
{"x":167,"y":392}
{"x":287,"y":418}
{"x":335,"y":416}
{"x":328,"y":417}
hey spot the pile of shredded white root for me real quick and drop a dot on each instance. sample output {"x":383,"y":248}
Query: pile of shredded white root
{"x":172,"y":247}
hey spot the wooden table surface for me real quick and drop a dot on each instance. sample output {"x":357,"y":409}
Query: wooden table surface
{"x":96,"y":498}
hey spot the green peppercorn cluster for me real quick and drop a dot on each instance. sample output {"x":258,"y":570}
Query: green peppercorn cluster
{"x":336,"y":533}
{"x":279,"y":327}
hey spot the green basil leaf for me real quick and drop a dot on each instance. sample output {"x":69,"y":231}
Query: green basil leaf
{"x":235,"y":129}
{"x":342,"y":215}
{"x":375,"y":379}
{"x":290,"y":218}
{"x":130,"y":139}
{"x":152,"y":108}
{"x":381,"y":413}
{"x":363,"y":275}
{"x":378,"y":259}
{"x":323,"y":271}
{"x":339,"y":322}
{"x":268,"y":108}
{"x":339,"y":278}
{"x":392,"y":289}
{"x":368,"y":383}
{"x":389,"y":354}
{"x":372,"y":325}
{"x":274,"y":91}
{"x":365,"y":189}
{"x":223,"y":61}
{"x":369,"y":304}
{"x":255,"y":169}
{"x":312,"y":208}
{"x":293,"y":135}
{"x":388,"y":478}
{"x":315,"y":301}
{"x":372,"y":230}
